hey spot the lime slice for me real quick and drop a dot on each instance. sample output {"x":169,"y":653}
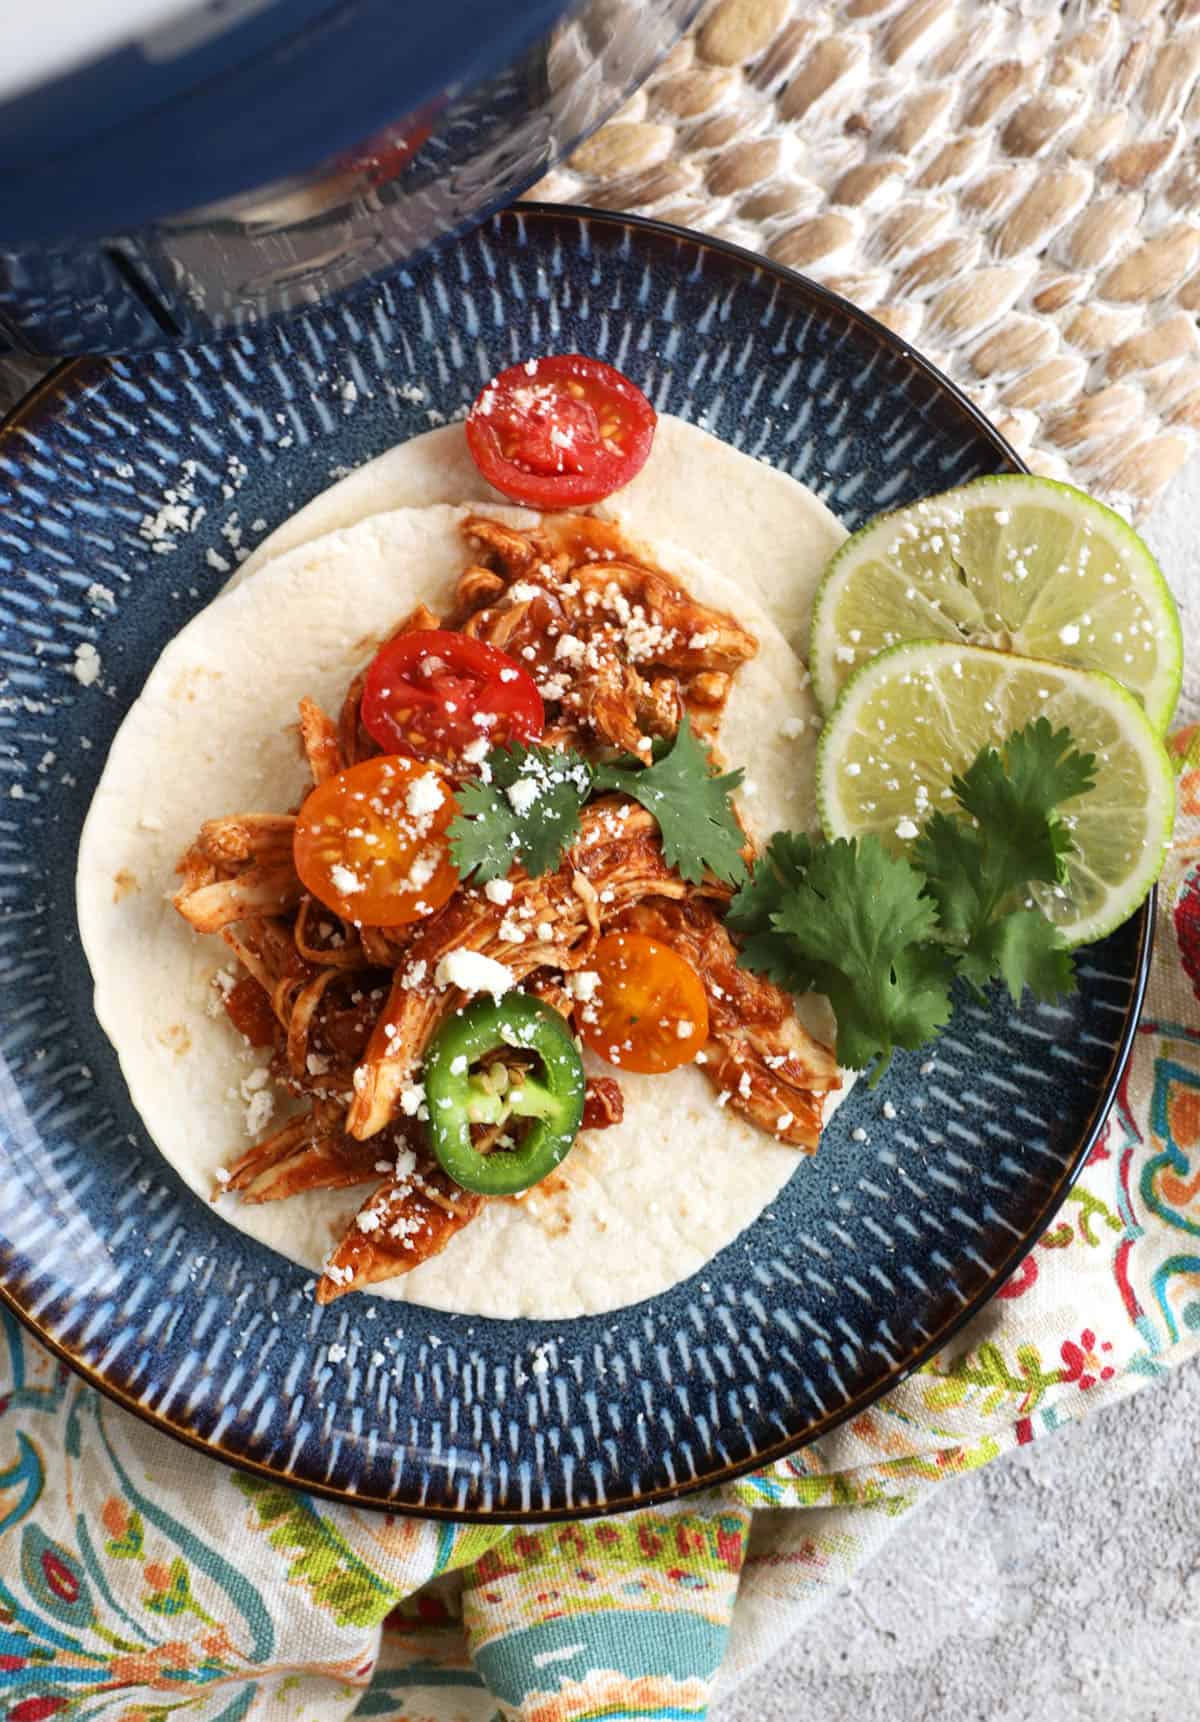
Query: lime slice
{"x":1018,"y":563}
{"x":917,"y":714}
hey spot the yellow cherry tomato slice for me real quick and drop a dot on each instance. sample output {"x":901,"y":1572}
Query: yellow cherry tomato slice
{"x":371,"y":842}
{"x":648,"y":1012}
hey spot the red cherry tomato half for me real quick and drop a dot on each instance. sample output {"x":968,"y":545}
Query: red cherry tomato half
{"x":561,"y":431}
{"x":649,"y":1012}
{"x":371,"y":842}
{"x":386,"y":154}
{"x":432,"y":693}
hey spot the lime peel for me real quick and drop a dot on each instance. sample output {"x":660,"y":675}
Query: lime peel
{"x":1013,"y":562}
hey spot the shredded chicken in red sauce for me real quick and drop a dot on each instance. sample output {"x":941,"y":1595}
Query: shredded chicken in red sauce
{"x":620,"y":653}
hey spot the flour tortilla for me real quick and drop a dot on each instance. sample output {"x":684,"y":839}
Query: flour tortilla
{"x":762,"y":528}
{"x":641,"y":1208}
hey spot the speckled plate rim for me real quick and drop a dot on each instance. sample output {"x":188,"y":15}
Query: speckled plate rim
{"x":60,"y":378}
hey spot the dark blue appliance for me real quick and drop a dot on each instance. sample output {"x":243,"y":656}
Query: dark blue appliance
{"x":210,"y":165}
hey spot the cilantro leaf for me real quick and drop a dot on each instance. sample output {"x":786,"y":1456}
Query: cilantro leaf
{"x":851,"y":921}
{"x":949,"y":853}
{"x":524,"y":808}
{"x":483,"y":834}
{"x":1022,"y":949}
{"x":978,"y":873}
{"x":699,"y":829}
{"x":1045,"y":768}
{"x":778,"y":871}
{"x":1012,"y":797}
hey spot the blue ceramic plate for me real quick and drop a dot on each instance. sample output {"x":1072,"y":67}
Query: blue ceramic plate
{"x":875,"y":1251}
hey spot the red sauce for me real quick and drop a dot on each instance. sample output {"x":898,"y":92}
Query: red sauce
{"x":250,"y":1012}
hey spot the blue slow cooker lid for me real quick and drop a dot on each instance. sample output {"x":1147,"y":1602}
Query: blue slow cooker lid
{"x":182,"y":119}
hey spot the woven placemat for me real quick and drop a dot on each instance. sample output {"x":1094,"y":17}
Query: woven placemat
{"x":1013,"y":186}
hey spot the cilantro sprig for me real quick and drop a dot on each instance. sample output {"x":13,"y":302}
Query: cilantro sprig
{"x":525,"y":808}
{"x":700,"y":832}
{"x":883,"y":936}
{"x":851,"y":921}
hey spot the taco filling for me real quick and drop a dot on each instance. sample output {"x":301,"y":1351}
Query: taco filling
{"x":515,"y":851}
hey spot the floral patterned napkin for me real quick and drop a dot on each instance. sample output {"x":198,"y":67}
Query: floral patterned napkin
{"x":140,"y":1582}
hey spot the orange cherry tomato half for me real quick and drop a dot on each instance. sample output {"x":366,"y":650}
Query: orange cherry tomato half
{"x":432,"y":693}
{"x":560,"y":431}
{"x":371,"y":842}
{"x":649,"y":1012}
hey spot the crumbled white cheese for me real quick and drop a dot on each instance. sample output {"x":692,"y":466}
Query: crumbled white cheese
{"x":475,"y":752}
{"x":545,"y":932}
{"x":260,"y":1104}
{"x":498,"y":891}
{"x":474,"y":973}
{"x":906,"y":830}
{"x":683,"y":1028}
{"x":422,"y":870}
{"x":1069,"y":635}
{"x":522,"y":794}
{"x":87,"y":666}
{"x":583,"y":984}
{"x":412,"y":1098}
{"x":344,"y":880}
{"x":424,"y":795}
{"x":571,"y":649}
{"x":403,"y":1227}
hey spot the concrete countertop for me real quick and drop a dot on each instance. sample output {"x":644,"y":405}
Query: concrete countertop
{"x":1059,"y":1584}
